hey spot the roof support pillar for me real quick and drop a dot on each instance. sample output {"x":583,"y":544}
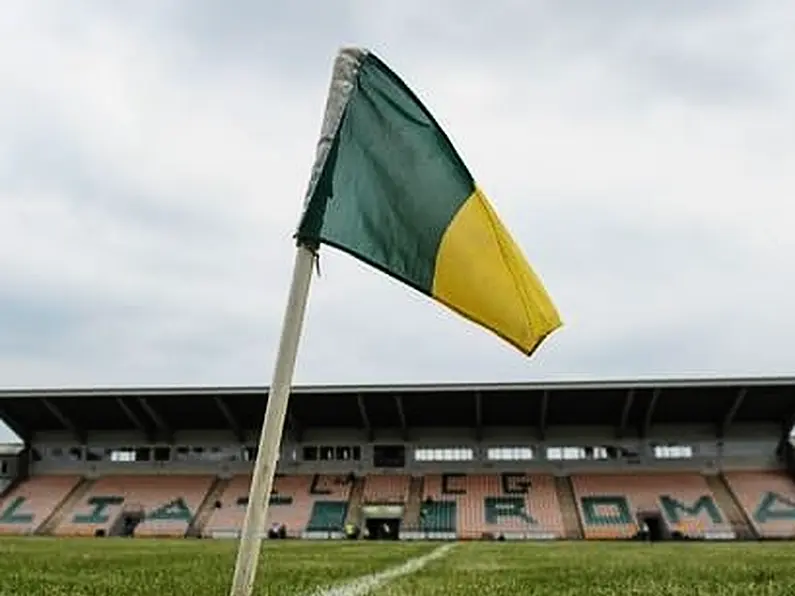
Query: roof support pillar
{"x":135,"y":419}
{"x":230,"y":418}
{"x":67,"y":423}
{"x":294,"y":427}
{"x":622,"y":424}
{"x":163,"y":428}
{"x":478,"y":416}
{"x":365,"y":418}
{"x":404,"y":429}
{"x":724,"y":425}
{"x":542,"y":416}
{"x":647,"y":420}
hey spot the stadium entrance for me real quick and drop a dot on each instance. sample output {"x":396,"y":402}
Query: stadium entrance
{"x":382,"y":522}
{"x":383,"y":529}
{"x":652,"y":527}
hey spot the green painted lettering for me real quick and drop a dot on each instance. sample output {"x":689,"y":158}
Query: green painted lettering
{"x":606,"y":510}
{"x":176,"y":510}
{"x":12,"y":515}
{"x":674,"y":509}
{"x":279,"y":500}
{"x":501,"y":507}
{"x":438,"y":516}
{"x":275,"y":499}
{"x":327,"y":516}
{"x":774,"y":507}
{"x":99,"y":510}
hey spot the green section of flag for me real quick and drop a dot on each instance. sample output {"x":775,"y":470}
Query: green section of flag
{"x":392,"y":182}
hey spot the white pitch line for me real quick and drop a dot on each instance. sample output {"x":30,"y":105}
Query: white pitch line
{"x":364,"y":584}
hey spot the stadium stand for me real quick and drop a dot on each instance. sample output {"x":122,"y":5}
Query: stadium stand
{"x":707,"y":459}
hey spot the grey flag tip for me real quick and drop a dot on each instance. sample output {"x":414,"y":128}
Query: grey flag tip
{"x":353,"y":51}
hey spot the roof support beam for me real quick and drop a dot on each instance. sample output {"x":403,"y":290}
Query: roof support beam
{"x":65,"y":421}
{"x":724,"y":425}
{"x":230,"y":418}
{"x":294,"y":427}
{"x":542,"y":417}
{"x":135,"y":419}
{"x":365,"y":418}
{"x":622,"y":424}
{"x":160,"y":423}
{"x":404,"y":429}
{"x":655,"y":396}
{"x":478,"y":416}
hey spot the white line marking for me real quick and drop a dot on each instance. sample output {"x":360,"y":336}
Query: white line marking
{"x":366,"y":583}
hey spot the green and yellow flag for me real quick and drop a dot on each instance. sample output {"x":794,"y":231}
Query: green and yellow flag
{"x":391,"y":190}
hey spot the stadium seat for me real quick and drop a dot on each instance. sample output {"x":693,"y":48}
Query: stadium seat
{"x":386,"y":489}
{"x":439,"y":516}
{"x":507,"y":504}
{"x":609,"y":504}
{"x":768,"y":499}
{"x":327,"y":516}
{"x":28,"y":505}
{"x":293,"y":504}
{"x":159,"y":505}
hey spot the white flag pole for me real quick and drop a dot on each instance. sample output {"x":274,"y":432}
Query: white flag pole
{"x":270,"y":439}
{"x":342,"y":84}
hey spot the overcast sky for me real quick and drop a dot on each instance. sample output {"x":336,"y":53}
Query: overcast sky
{"x":154,"y":155}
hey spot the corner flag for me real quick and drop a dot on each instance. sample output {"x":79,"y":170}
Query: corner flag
{"x":388,"y":188}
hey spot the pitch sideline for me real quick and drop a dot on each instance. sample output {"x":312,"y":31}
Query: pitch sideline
{"x":364,"y":584}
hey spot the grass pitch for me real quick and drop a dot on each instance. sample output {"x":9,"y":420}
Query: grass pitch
{"x":124,"y":567}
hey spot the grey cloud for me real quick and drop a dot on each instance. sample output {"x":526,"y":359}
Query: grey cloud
{"x":288,"y":40}
{"x":646,"y":53}
{"x":35,"y":326}
{"x":45,"y":160}
{"x":295,"y":38}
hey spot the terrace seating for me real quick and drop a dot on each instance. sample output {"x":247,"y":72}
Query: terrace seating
{"x":28,"y":505}
{"x":160,"y":505}
{"x":609,"y":504}
{"x":327,"y":516}
{"x":469,"y":505}
{"x":386,"y":489}
{"x":439,"y":516}
{"x":768,"y":499}
{"x":495,"y":504}
{"x":311,"y":503}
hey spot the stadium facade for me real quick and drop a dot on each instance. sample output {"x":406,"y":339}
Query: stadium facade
{"x":701,"y":458}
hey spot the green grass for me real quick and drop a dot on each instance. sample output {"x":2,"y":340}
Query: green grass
{"x":40,"y":566}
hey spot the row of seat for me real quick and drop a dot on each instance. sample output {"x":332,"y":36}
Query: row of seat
{"x":468,"y":505}
{"x":482,"y":504}
{"x":298,"y":502}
